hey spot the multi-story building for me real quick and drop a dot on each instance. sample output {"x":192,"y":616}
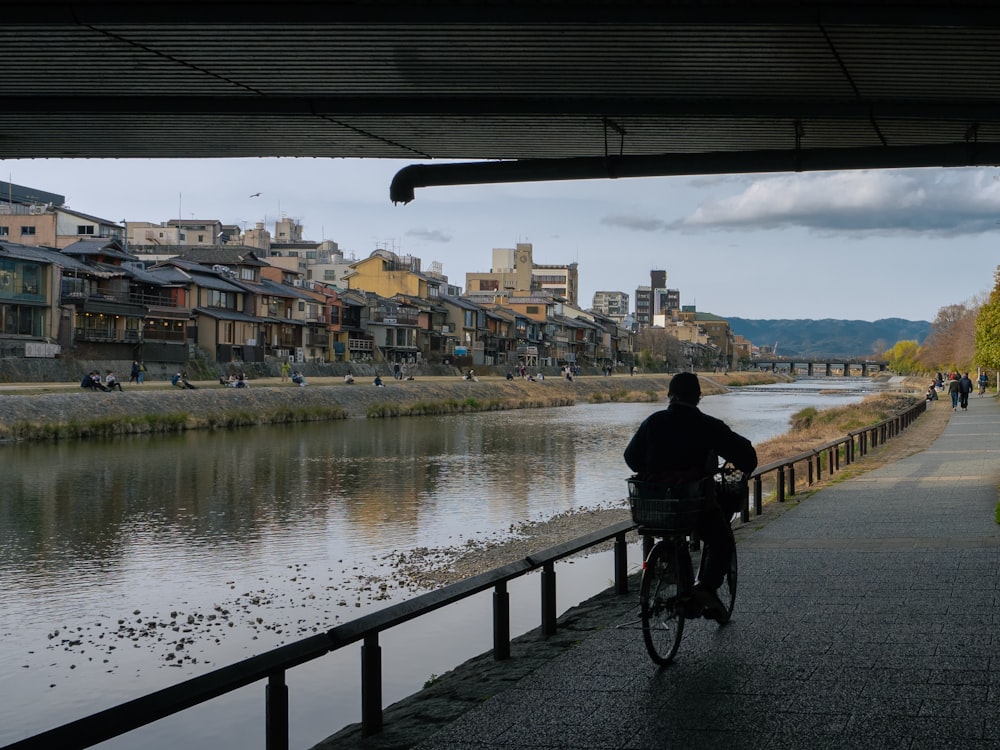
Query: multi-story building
{"x":612,"y":304}
{"x":655,"y":304}
{"x":41,"y":219}
{"x":515,"y":272}
{"x":644,"y":306}
{"x":388,"y":274}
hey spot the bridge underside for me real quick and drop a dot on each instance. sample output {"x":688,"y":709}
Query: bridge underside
{"x":541,"y":91}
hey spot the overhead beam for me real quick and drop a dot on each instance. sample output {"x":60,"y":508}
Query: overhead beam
{"x":238,"y":15}
{"x":950,"y":110}
{"x":404,"y":183}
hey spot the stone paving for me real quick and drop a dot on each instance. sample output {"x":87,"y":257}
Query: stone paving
{"x":866,"y":618}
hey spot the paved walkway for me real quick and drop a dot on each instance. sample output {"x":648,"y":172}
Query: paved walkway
{"x":867,"y":617}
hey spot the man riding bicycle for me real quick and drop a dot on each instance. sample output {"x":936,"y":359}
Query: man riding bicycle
{"x":681,"y":444}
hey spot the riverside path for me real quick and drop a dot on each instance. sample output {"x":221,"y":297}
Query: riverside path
{"x":866,"y":617}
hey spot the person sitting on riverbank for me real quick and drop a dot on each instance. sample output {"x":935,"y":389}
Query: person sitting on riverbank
{"x":92,"y":381}
{"x":349,"y":378}
{"x":299,"y":379}
{"x":932,"y":392}
{"x":377,"y":382}
{"x":181,"y":381}
{"x":111,"y":382}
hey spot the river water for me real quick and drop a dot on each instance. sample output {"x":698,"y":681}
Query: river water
{"x":131,"y":564}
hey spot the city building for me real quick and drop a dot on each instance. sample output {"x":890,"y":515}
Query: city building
{"x":611,"y":304}
{"x":515,"y":272}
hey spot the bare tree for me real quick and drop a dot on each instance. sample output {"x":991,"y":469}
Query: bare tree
{"x":660,"y":349}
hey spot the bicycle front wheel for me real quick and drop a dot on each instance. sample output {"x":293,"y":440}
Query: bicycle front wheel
{"x":662,"y":620}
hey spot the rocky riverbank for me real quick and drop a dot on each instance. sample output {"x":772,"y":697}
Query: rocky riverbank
{"x":37,"y":411}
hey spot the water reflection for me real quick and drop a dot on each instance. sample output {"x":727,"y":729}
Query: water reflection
{"x":94,"y":531}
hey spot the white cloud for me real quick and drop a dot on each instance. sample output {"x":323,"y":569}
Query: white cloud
{"x":430,"y":235}
{"x":929,"y":202}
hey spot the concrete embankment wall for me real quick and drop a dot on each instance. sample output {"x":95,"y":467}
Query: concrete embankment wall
{"x":80,"y":406}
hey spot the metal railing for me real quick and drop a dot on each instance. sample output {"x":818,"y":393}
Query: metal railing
{"x":844,"y":450}
{"x":273,"y":665}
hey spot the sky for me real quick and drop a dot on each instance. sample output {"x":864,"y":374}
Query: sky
{"x":859,"y":245}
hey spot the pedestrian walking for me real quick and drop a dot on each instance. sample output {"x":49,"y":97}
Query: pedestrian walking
{"x":953,"y":390}
{"x":964,"y":391}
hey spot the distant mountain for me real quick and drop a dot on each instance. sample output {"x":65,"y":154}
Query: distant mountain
{"x":829,"y":337}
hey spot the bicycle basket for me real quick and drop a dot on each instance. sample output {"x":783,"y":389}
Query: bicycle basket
{"x":666,"y":506}
{"x":732,"y":492}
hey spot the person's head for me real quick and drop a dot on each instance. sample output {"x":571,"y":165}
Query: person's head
{"x":684,"y":387}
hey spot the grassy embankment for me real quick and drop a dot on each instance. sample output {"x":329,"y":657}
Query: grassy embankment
{"x":151,"y":424}
{"x":810,"y":428}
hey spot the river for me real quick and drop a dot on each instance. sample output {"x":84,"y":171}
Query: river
{"x":132,"y":564}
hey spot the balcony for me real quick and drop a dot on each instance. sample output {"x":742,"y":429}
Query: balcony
{"x":394,"y":319}
{"x":106,"y":336}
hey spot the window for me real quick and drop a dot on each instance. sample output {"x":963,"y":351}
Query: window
{"x":85,"y":229}
{"x":27,"y":231}
{"x":201,"y":238}
{"x":225,"y":300}
{"x":246,"y":274}
{"x":4,"y":231}
{"x":532,"y":309}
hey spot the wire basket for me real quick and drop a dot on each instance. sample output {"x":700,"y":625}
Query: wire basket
{"x":674,"y":507}
{"x":732,"y":492}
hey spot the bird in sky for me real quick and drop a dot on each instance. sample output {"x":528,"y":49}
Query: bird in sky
{"x":255,"y":195}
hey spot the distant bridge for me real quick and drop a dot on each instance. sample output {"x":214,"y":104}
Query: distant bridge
{"x":827,"y":367}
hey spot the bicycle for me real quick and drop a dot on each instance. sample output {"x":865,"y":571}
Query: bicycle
{"x":666,"y":590}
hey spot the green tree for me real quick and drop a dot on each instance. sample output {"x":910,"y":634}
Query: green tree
{"x":988,"y":328}
{"x":904,"y":357}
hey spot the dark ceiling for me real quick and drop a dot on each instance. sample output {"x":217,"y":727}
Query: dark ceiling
{"x":569,"y":89}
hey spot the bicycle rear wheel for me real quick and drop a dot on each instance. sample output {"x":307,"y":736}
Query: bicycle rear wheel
{"x":662,"y":620}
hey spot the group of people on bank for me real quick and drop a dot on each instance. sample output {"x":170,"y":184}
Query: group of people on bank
{"x":959,"y":388}
{"x":94,"y":381}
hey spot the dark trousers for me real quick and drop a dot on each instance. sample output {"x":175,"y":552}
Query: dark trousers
{"x":715,"y":533}
{"x":963,"y":399}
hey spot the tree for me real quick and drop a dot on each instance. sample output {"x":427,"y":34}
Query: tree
{"x":952,"y":340}
{"x":904,"y":357}
{"x":659,"y":350}
{"x":988,"y":328}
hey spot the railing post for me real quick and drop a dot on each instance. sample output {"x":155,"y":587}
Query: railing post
{"x":819,"y":466}
{"x":791,"y":480}
{"x":621,"y":565}
{"x":811,"y":479}
{"x":549,"y":598}
{"x":501,"y":622}
{"x":758,"y":491}
{"x":371,"y":685}
{"x":781,"y":484}
{"x":276,"y":712}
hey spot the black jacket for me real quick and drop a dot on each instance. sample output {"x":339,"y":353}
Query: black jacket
{"x":682,"y":440}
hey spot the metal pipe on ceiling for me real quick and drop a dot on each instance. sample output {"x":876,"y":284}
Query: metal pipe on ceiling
{"x":406,"y":180}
